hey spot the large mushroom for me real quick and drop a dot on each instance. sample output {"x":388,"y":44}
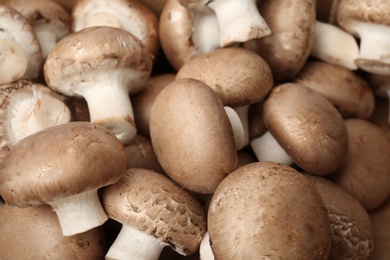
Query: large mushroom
{"x":64,"y":166}
{"x":104,"y":65}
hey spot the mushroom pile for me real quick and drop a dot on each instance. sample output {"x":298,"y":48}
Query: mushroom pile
{"x":191,"y":129}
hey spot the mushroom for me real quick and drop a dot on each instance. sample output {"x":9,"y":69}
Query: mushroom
{"x":67,"y":164}
{"x":129,"y":15}
{"x":352,"y":229}
{"x":104,"y":65}
{"x":347,"y":90}
{"x":35,"y":233}
{"x":365,"y":170}
{"x":50,"y":20}
{"x":266,"y":210}
{"x":21,"y":55}
{"x":192,"y":136}
{"x":288,"y":47}
{"x":369,"y":21}
{"x":380,"y":220}
{"x":26,"y":108}
{"x":205,"y":251}
{"x":154,"y":212}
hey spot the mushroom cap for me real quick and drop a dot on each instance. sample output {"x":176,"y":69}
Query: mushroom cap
{"x":192,"y":135}
{"x":35,"y":233}
{"x":288,"y":47}
{"x":365,"y":171}
{"x":61,"y":161}
{"x":307,"y":126}
{"x":266,"y":210}
{"x":352,"y":229}
{"x":345,"y":89}
{"x":155,"y":205}
{"x":94,"y":52}
{"x":239,"y":77}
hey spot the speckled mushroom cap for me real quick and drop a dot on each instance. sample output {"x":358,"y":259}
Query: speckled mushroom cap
{"x":288,"y":47}
{"x":352,"y":229}
{"x":345,"y":89}
{"x":238,"y":76}
{"x":266,"y":210}
{"x":34,"y":233}
{"x":192,"y":135}
{"x":155,"y":205}
{"x":307,"y":126}
{"x":60,"y":161}
{"x":365,"y":171}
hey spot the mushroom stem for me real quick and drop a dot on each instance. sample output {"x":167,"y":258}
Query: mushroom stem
{"x":206,"y":31}
{"x":239,"y":21}
{"x":102,"y":18}
{"x":205,"y":251}
{"x":267,"y":149}
{"x":136,"y":245}
{"x":237,"y":126}
{"x":79,"y":213}
{"x":13,"y":61}
{"x":48,"y":35}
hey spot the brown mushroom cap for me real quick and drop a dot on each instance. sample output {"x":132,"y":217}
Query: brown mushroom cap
{"x":34,"y":233}
{"x":192,"y":136}
{"x":365,"y":171}
{"x":345,"y":89}
{"x":268,"y":210}
{"x":155,"y":205}
{"x":380,"y":220}
{"x":238,"y":76}
{"x":352,"y":229}
{"x":62,"y":160}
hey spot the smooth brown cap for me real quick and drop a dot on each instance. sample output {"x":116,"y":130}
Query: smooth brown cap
{"x":155,"y":205}
{"x":266,"y":210}
{"x":60,"y":161}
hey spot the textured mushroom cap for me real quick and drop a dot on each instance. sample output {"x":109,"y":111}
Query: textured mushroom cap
{"x":345,"y":89}
{"x":238,"y":76}
{"x":192,"y":135}
{"x":352,"y":229}
{"x":155,"y":205}
{"x":35,"y":233}
{"x":307,"y":126}
{"x":365,"y":171}
{"x":60,"y":161}
{"x":266,"y":210}
{"x":288,"y":47}
{"x":94,"y":52}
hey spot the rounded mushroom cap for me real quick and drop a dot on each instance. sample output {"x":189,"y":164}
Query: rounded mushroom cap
{"x":155,"y":205}
{"x":352,"y":229}
{"x":61,"y":161}
{"x":307,"y":126}
{"x":238,"y":76}
{"x":35,"y":233}
{"x":95,"y":52}
{"x":266,"y":210}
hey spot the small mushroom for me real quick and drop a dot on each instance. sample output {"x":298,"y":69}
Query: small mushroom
{"x":21,"y":55}
{"x":380,"y":220}
{"x":155,"y":213}
{"x":104,"y":65}
{"x":64,"y":166}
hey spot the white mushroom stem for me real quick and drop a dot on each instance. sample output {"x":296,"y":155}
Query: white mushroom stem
{"x":333,"y":45}
{"x":79,"y":213}
{"x":206,"y":31}
{"x":136,"y":245}
{"x":239,"y":21}
{"x":205,"y":251}
{"x":13,"y":61}
{"x":102,"y":18}
{"x":238,"y":128}
{"x":374,"y":46}
{"x":267,"y":149}
{"x":49,"y":34}
{"x":242,"y":112}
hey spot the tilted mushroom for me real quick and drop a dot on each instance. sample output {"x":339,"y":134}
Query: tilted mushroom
{"x":266,"y":210}
{"x":64,"y":166}
{"x":50,"y":20}
{"x":129,"y":15}
{"x":192,"y":136}
{"x":369,"y":21}
{"x":26,"y":108}
{"x":154,"y":212}
{"x":104,"y":65}
{"x":380,"y":219}
{"x":21,"y":55}
{"x":35,"y":233}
